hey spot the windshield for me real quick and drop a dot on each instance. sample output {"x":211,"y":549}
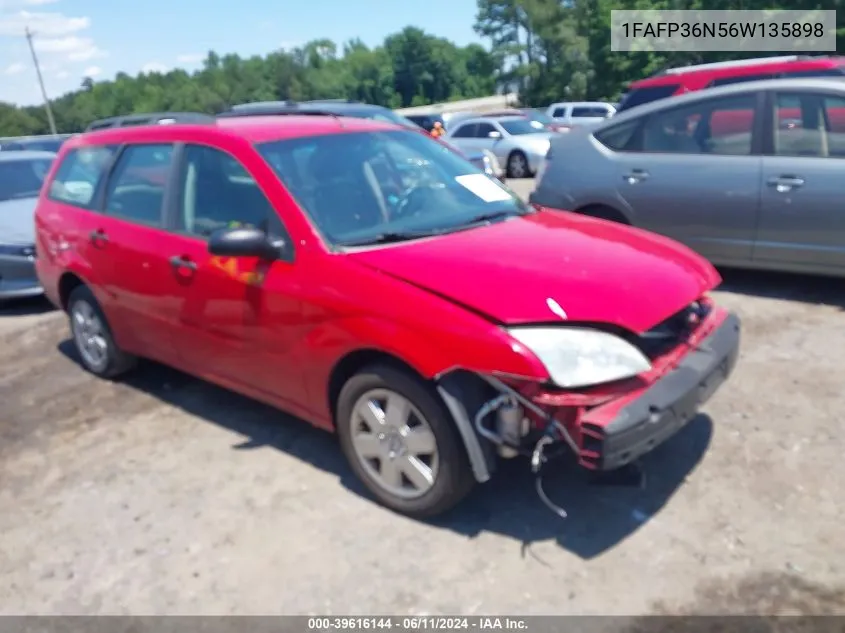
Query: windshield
{"x":22,"y":178}
{"x":518,"y":127}
{"x":364,"y":188}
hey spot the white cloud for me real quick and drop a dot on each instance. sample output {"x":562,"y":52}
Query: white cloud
{"x":190,"y":58}
{"x":8,"y":5}
{"x":154,"y":67}
{"x":62,"y":42}
{"x":71,"y":47}
{"x":92,"y":71}
{"x":14,"y":69}
{"x":42,"y":24}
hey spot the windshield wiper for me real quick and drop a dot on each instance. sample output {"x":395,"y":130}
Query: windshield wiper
{"x":388,"y":237}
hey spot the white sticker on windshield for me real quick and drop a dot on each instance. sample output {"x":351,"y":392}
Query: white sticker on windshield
{"x":483,"y":187}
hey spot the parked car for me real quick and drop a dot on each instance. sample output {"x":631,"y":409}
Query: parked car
{"x":748,"y":175}
{"x":36,"y":144}
{"x":148,"y":118}
{"x":577,"y":113}
{"x":367,"y":279}
{"x":533,"y":114}
{"x":426,"y":121}
{"x":519,"y":144}
{"x":676,"y":81}
{"x":22,"y":174}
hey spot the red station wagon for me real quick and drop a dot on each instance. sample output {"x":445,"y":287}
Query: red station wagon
{"x":371,"y":281}
{"x":677,"y":81}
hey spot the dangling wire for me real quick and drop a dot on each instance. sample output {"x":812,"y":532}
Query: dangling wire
{"x":537,"y":460}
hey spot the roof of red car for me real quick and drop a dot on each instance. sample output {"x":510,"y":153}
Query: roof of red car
{"x":704,"y":73}
{"x":255,"y":129}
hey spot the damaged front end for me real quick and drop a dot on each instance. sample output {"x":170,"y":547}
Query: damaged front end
{"x":610,"y":425}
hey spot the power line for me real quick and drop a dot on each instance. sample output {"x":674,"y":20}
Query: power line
{"x":41,"y":82}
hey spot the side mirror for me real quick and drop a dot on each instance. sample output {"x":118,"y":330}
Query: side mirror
{"x":494,"y":134}
{"x":244,"y":243}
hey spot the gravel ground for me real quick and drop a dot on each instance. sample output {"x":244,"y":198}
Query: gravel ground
{"x":163,"y":494}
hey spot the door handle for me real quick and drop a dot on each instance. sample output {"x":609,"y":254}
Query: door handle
{"x":98,"y":237}
{"x":181,"y":263}
{"x":785,"y":184}
{"x":635,"y":175}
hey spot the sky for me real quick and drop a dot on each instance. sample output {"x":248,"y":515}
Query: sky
{"x":94,"y":38}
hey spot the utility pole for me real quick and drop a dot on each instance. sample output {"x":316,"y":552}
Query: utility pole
{"x":41,"y":83}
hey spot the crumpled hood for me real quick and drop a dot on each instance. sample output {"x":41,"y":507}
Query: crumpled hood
{"x":17,"y":221}
{"x":595,"y":271}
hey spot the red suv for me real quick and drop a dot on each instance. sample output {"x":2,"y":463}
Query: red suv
{"x":675,"y":81}
{"x":367,"y":279}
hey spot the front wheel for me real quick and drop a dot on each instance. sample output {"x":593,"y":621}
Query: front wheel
{"x":401,"y":442}
{"x":517,"y":165}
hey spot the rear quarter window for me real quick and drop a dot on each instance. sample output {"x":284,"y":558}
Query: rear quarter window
{"x":619,"y":137}
{"x":79,"y":175}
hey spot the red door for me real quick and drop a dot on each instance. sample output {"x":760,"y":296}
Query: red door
{"x":239,"y":319}
{"x":142,"y":287}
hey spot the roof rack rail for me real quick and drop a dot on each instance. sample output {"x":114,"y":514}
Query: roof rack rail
{"x":281,"y":111}
{"x":331,"y":101}
{"x":735,"y":63}
{"x":263,"y":104}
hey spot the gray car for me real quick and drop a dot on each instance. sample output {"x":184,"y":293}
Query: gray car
{"x":21,"y":176}
{"x":749,"y":175}
{"x":520,"y":145}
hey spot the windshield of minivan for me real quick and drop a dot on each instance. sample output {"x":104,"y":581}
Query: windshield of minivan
{"x":363,"y":188}
{"x":22,"y":178}
{"x":518,"y":127}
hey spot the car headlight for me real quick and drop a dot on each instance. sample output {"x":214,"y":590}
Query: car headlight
{"x":580,"y":357}
{"x":17,"y":250}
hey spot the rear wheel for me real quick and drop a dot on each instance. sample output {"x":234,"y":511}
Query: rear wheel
{"x":92,"y":336}
{"x":517,"y":166}
{"x":401,"y":442}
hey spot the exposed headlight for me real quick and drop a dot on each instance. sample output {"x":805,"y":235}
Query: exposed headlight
{"x":580,"y":357}
{"x":17,"y":250}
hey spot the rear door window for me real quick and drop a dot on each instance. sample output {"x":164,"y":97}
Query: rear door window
{"x":135,"y":190}
{"x":811,"y":125}
{"x":465,"y":131}
{"x":79,"y":175}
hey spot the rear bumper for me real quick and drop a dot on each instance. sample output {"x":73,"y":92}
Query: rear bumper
{"x":615,"y":435}
{"x":17,"y":278}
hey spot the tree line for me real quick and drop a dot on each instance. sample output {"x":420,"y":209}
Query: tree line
{"x":548,"y":50}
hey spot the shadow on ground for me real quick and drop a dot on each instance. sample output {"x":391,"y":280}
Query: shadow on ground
{"x":600,"y":517}
{"x":25,"y":307}
{"x":790,"y":287}
{"x":749,"y":605}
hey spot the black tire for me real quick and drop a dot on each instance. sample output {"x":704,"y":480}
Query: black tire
{"x":604,"y":213}
{"x":454,"y":480}
{"x":117,"y":362}
{"x":509,"y":167}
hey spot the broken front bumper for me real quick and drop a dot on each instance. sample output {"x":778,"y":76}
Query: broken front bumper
{"x":616,"y":433}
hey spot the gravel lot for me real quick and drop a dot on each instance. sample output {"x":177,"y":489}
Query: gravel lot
{"x":166,"y":495}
